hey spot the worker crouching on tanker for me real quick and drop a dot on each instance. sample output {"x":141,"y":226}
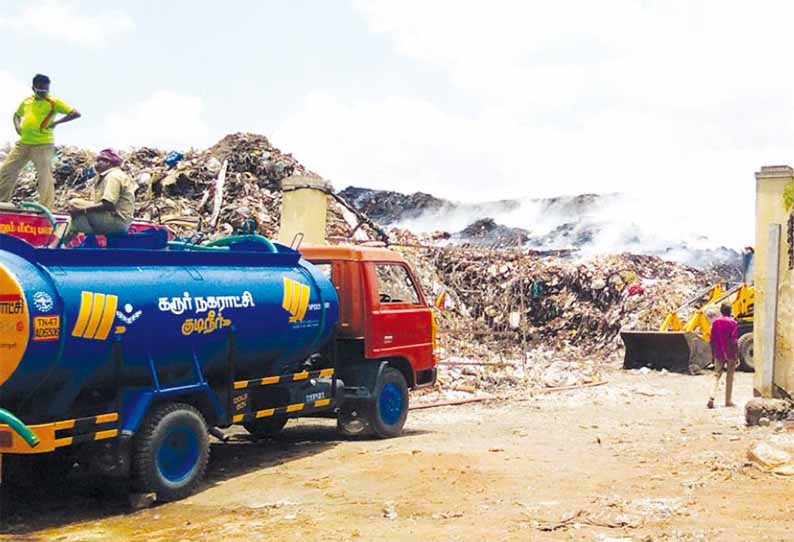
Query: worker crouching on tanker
{"x":113,"y":202}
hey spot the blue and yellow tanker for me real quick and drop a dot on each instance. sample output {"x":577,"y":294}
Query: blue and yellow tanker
{"x":129,"y":356}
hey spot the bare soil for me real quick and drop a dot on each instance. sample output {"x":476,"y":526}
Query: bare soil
{"x":638,"y":459}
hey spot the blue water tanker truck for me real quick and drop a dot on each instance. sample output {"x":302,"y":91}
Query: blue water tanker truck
{"x":125,"y":359}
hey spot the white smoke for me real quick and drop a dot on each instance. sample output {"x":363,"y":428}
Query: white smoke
{"x":679,"y":227}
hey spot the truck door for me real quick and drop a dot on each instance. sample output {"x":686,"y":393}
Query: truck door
{"x":400,"y":321}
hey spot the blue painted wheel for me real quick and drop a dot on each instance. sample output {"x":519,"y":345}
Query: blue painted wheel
{"x":171,"y":451}
{"x":390,"y":410}
{"x":178,"y":454}
{"x":390,"y":403}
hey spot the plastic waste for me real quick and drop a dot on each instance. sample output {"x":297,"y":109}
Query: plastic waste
{"x":514,"y":319}
{"x":770,"y":458}
{"x":173,"y":158}
{"x":213,"y":165}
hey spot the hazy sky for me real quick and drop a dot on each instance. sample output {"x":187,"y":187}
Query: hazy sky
{"x":673,"y":100}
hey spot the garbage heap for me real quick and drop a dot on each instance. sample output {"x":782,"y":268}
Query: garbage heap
{"x":559,"y":303}
{"x":509,"y":318}
{"x":174,"y":184}
{"x":512,"y":318}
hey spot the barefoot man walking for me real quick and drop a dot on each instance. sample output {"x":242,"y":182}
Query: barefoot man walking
{"x":724,"y":352}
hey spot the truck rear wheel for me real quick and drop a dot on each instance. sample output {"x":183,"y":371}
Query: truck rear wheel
{"x":171,"y":451}
{"x":746,"y":362}
{"x":265,"y":427}
{"x":390,"y":409}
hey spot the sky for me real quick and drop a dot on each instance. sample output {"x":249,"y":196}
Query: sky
{"x":675,"y":102}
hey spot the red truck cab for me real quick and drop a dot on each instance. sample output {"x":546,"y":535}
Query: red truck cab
{"x":385,"y":324}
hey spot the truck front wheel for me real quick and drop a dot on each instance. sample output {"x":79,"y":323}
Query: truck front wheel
{"x":171,"y":451}
{"x":390,"y":409}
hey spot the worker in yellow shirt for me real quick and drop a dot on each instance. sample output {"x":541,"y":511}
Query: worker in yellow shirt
{"x":34,"y":121}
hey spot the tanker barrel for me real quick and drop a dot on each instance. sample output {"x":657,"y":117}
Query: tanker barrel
{"x":168,"y":313}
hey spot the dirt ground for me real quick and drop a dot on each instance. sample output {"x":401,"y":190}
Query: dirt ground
{"x":638,"y":459}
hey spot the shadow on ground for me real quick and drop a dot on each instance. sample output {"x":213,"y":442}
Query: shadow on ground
{"x":51,"y":502}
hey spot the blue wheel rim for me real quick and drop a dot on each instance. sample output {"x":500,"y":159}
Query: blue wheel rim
{"x":178,"y":454}
{"x":391,"y":404}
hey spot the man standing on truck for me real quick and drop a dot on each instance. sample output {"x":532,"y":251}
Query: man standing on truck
{"x":113,"y":202}
{"x":724,"y":352}
{"x":34,"y":121}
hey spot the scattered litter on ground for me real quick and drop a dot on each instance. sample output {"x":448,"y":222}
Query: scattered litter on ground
{"x":771,"y":458}
{"x":389,"y":511}
{"x":580,"y":518}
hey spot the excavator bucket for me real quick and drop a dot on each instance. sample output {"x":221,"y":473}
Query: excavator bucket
{"x":676,"y":351}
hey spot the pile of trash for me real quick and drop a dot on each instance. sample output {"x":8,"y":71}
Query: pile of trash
{"x":512,"y":318}
{"x":508,"y":317}
{"x":486,"y":232}
{"x":181,"y":187}
{"x":526,"y":299}
{"x":389,"y":207}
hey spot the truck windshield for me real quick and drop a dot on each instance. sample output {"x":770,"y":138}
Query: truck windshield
{"x":395,"y":284}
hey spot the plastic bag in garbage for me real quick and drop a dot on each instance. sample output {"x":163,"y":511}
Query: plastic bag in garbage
{"x":514,"y":319}
{"x":173,"y":158}
{"x":144,"y":179}
{"x":213,"y":165}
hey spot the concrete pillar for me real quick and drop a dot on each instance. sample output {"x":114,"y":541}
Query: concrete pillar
{"x":303,"y":209}
{"x":770,"y":209}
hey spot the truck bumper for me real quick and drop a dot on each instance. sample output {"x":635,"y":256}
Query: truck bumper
{"x":58,"y":434}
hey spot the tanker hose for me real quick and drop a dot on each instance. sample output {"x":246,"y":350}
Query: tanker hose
{"x":181,"y":245}
{"x":19,"y":427}
{"x":40,"y":208}
{"x":43,"y":210}
{"x":251,"y":237}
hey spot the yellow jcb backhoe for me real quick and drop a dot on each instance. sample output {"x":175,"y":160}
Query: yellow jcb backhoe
{"x":684,"y":346}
